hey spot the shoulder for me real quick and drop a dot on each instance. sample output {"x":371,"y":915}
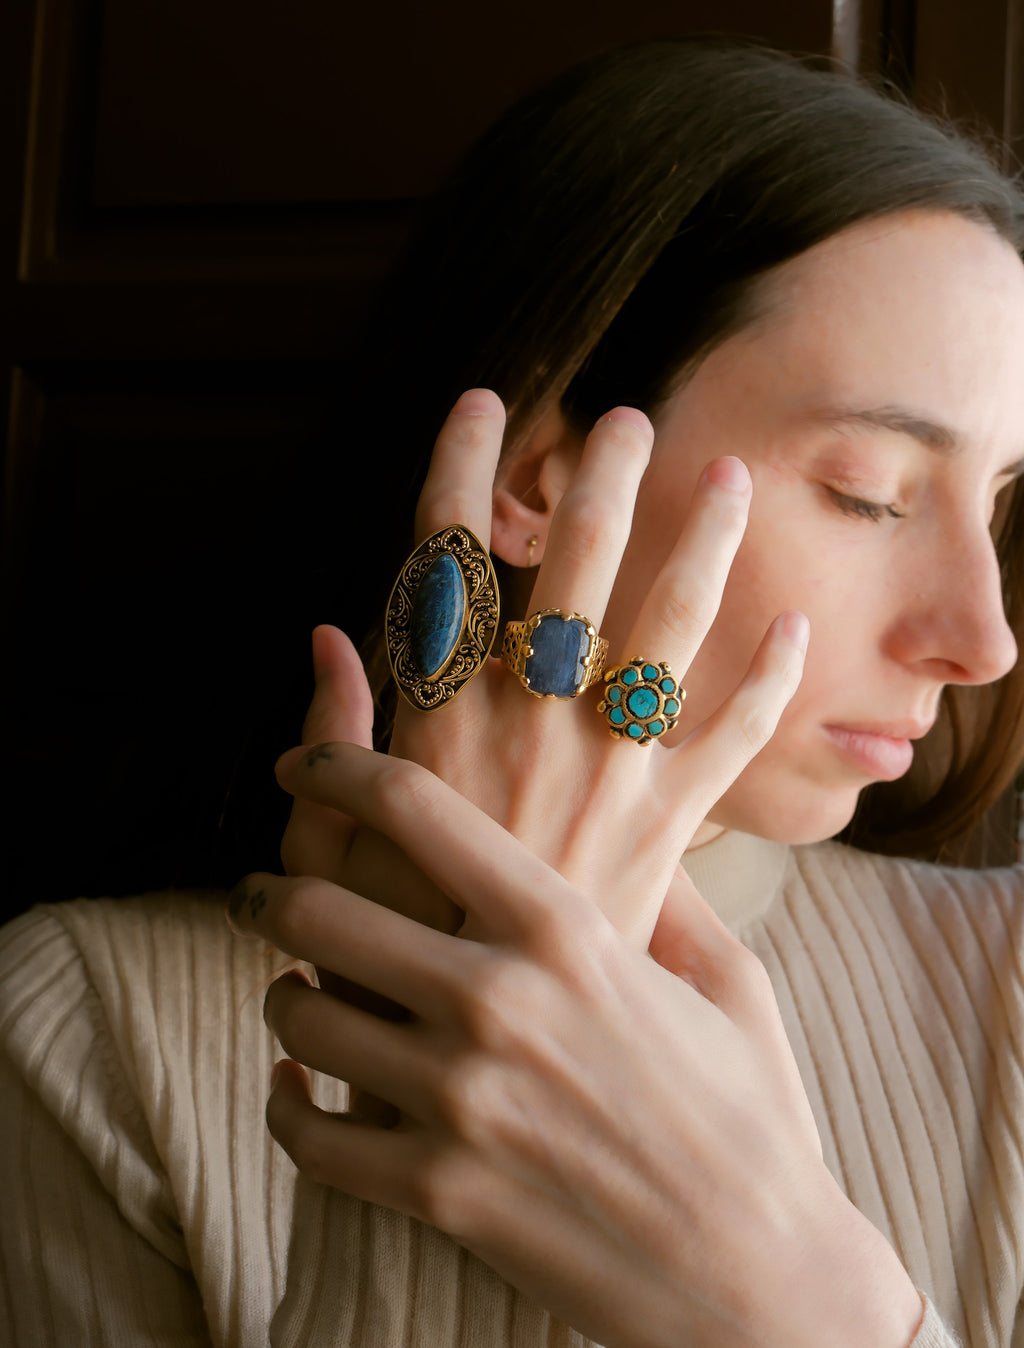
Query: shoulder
{"x":941,"y":926}
{"x":135,"y":998}
{"x":136,"y":1026}
{"x":124,"y":955}
{"x":912,"y":890}
{"x":134,"y":1063}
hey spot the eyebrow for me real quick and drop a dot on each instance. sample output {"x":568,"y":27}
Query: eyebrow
{"x":932,"y":434}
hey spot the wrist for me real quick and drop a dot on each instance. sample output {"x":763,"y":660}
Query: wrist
{"x":857,"y":1289}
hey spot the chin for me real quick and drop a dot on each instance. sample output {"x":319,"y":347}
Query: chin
{"x":792,"y":812}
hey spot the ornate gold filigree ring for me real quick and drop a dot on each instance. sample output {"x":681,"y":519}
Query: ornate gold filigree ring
{"x":442,"y":617}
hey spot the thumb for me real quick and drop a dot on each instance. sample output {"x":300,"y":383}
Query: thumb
{"x":342,"y":705}
{"x":317,"y":837}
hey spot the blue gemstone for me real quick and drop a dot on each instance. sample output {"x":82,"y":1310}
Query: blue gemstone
{"x":629,"y":676}
{"x":435,"y":624}
{"x":642,"y":702}
{"x":634,"y":731}
{"x":559,"y":648}
{"x":650,"y":672}
{"x":614,"y":693}
{"x":617,"y":716}
{"x":656,"y":727}
{"x":671,"y":706}
{"x":667,"y":685}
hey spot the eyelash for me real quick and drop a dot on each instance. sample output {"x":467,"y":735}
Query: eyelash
{"x":860,"y":509}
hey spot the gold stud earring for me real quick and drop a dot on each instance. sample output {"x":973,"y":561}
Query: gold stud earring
{"x":531,"y":543}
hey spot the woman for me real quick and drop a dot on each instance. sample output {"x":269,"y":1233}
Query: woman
{"x":653,"y":1151}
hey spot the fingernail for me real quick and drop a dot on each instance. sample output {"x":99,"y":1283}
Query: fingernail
{"x":632,"y":415}
{"x":476,"y":402}
{"x":729,"y":473}
{"x":796,"y":629}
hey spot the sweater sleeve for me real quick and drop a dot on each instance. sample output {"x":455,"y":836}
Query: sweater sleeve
{"x":91,"y":1243}
{"x":932,"y":1333}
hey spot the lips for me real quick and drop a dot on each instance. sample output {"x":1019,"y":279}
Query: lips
{"x":881,"y":752}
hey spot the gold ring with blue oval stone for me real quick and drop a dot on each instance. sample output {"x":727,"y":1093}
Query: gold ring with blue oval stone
{"x":554,"y":653}
{"x":442,"y":617}
{"x":641,"y":701}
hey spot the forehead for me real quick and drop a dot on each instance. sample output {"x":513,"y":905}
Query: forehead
{"x":922,"y":310}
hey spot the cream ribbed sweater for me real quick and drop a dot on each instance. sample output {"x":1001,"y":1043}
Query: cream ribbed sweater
{"x":144,"y":1204}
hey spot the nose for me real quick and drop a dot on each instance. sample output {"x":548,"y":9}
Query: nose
{"x":954,"y":624}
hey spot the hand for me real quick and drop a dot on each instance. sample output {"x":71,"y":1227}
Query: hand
{"x":620,"y":1188}
{"x":630,"y":1145}
{"x":612,"y":818}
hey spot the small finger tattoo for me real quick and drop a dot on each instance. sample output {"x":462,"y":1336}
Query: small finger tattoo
{"x":240,"y":899}
{"x":314,"y":756}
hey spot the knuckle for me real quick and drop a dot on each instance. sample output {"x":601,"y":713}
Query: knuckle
{"x":465,"y":1098}
{"x":435,"y":1191}
{"x":588,"y":531}
{"x":568,"y":948}
{"x":684,"y":617}
{"x":293,"y":914}
{"x":490,"y":1004}
{"x":546,"y":937}
{"x":402,"y":788}
{"x":757,"y":725}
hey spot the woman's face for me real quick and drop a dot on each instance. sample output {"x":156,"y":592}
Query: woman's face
{"x":879,"y":406}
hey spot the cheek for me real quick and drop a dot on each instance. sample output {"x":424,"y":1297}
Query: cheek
{"x":769,"y":577}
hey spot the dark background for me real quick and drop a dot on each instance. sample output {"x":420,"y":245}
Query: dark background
{"x":199,"y":200}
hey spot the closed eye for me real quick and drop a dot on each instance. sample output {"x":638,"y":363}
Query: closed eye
{"x":861,"y":509}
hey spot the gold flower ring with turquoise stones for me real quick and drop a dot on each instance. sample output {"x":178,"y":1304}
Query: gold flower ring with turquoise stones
{"x":641,"y":701}
{"x":442,"y":617}
{"x":555,"y":653}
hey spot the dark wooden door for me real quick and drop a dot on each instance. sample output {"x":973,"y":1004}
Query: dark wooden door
{"x":199,"y":201}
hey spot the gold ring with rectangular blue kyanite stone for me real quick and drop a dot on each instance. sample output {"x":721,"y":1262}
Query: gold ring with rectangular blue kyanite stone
{"x":442,"y":617}
{"x":554,"y":653}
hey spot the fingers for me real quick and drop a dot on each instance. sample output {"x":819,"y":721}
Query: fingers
{"x":341,"y":1041}
{"x":591,"y":526}
{"x":342,"y":704}
{"x":341,"y":709}
{"x":691,"y":942}
{"x":684,"y":599}
{"x":715,"y":754}
{"x":326,"y":925}
{"x":460,"y":480}
{"x":480,"y":866}
{"x":359,"y":1158}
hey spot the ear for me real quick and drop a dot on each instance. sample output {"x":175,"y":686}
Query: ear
{"x":531,"y":480}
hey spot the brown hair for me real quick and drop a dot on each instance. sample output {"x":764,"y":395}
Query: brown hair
{"x":611,"y":230}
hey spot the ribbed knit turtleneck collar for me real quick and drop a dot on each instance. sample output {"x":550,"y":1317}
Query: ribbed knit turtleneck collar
{"x":738,"y":875}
